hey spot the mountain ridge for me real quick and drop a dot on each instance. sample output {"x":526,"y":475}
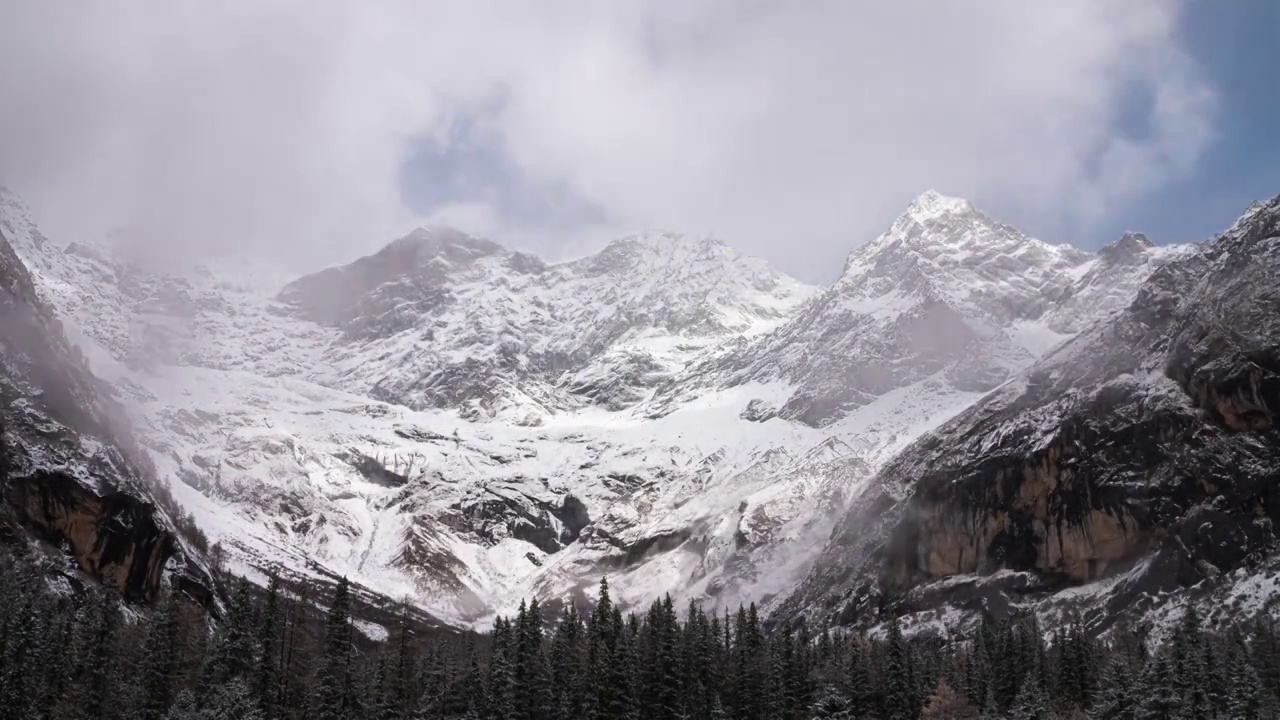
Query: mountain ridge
{"x":1133,"y":461}
{"x":470,"y":429}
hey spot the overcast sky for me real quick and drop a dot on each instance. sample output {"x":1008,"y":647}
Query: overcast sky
{"x":313,"y":132}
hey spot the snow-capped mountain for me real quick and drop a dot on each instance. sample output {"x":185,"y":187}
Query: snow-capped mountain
{"x":1131,"y":470}
{"x":438,"y":319}
{"x":946,"y":294}
{"x":71,"y":472}
{"x":463,"y":424}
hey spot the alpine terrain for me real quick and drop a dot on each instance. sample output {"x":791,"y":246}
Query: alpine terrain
{"x":967,"y":419}
{"x":1127,"y":474}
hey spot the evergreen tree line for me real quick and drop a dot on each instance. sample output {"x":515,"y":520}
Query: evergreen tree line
{"x":85,"y":655}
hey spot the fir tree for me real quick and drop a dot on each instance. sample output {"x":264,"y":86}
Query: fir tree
{"x":1158,"y":697}
{"x":1116,"y":700}
{"x":502,"y":690}
{"x":1243,"y":696}
{"x":858,"y":677}
{"x":566,"y":667}
{"x":898,"y":701}
{"x":832,"y":704}
{"x":233,"y":652}
{"x":101,"y":652}
{"x":267,"y":679}
{"x":334,"y":680}
{"x":532,"y":682}
{"x":232,"y":700}
{"x":160,"y":671}
{"x":1031,"y":703}
{"x":400,"y":685}
{"x":184,"y":708}
{"x":1189,"y":667}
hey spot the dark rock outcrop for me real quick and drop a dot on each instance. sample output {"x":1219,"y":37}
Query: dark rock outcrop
{"x":546,"y":525}
{"x":114,"y":537}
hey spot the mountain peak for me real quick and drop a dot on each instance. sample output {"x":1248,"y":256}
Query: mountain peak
{"x":937,"y":226}
{"x":931,"y":204}
{"x":1130,"y":245}
{"x":665,"y":242}
{"x":656,"y":248}
{"x":430,"y":241}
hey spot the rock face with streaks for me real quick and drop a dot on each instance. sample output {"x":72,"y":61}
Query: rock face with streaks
{"x":114,"y":537}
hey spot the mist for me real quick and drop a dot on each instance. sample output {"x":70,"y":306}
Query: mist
{"x":308,"y":135}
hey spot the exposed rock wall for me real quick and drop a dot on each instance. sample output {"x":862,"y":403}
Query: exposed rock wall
{"x":114,"y":537}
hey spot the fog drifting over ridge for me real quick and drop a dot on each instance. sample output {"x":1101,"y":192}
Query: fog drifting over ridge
{"x":795,"y":131}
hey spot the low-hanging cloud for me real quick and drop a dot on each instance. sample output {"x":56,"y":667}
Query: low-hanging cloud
{"x":794,"y":130}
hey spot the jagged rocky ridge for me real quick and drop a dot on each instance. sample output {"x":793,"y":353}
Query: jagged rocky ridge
{"x":468,"y":324}
{"x":71,"y":473}
{"x":946,"y":292}
{"x":455,"y":422}
{"x":1133,"y":468}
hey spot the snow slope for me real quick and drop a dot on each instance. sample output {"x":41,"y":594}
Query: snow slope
{"x":462,"y":424}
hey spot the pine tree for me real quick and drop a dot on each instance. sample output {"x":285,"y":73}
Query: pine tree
{"x":233,"y":653}
{"x":898,"y":702}
{"x":621,"y":673}
{"x":1243,"y":697}
{"x":334,"y":680}
{"x":717,"y":710}
{"x":566,"y":671}
{"x":184,"y":708}
{"x":832,"y":704}
{"x":160,"y":671}
{"x":502,"y":700}
{"x":858,"y":677}
{"x":1264,"y":654}
{"x":978,"y":686}
{"x":782,"y":704}
{"x":1031,"y":703}
{"x":800,"y":691}
{"x":602,"y":641}
{"x":669,"y":690}
{"x":1116,"y":699}
{"x":1189,"y":668}
{"x":466,"y":695}
{"x":49,"y":682}
{"x":232,"y":700}
{"x":400,"y":682}
{"x":1158,"y":697}
{"x":18,"y":640}
{"x":531,"y":681}
{"x":100,"y":668}
{"x":267,"y":679}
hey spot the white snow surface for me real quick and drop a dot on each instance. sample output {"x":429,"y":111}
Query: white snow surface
{"x":465,"y":426}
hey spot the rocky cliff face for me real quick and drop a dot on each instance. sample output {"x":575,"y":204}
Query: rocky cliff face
{"x":113,"y":537}
{"x":1141,"y":456}
{"x":71,"y":473}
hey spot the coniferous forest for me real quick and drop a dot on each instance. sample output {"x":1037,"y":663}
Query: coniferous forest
{"x":85,"y":655}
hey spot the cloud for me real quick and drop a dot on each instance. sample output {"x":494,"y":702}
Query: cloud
{"x":793,"y":130}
